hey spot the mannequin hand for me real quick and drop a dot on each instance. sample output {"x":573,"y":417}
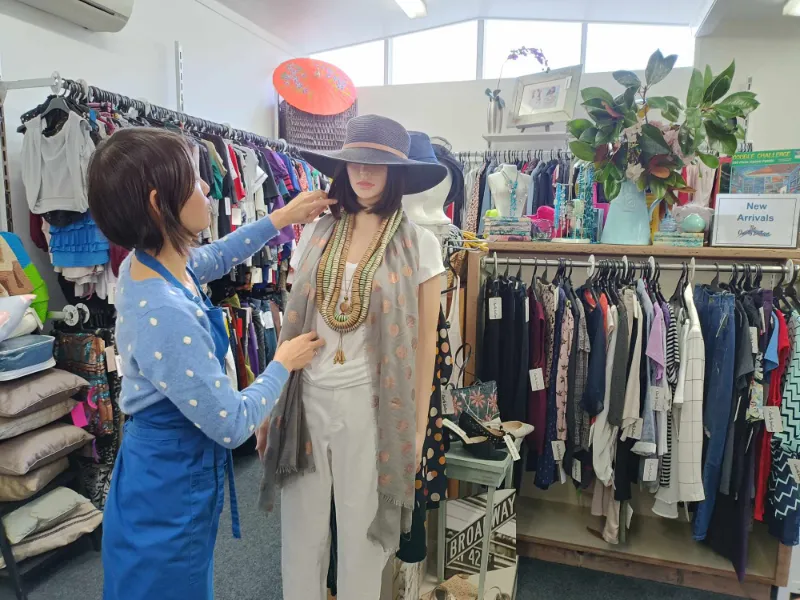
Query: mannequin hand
{"x":305,"y":207}
{"x":420,"y":448}
{"x":261,"y":438}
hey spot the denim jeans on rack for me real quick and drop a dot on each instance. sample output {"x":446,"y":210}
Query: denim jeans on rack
{"x":718,"y":323}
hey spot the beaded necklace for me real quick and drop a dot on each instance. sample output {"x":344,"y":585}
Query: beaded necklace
{"x":351,"y":313}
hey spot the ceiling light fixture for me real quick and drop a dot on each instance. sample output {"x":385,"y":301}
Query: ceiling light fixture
{"x":792,"y":8}
{"x":413,"y":8}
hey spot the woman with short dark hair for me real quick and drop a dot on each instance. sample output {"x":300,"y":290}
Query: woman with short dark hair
{"x":354,"y":422}
{"x":166,"y":496}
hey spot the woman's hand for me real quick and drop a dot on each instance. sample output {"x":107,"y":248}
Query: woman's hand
{"x":297,"y":353}
{"x":304,"y":208}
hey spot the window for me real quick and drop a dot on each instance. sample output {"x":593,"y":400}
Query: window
{"x":615,"y":47}
{"x":442,"y":54}
{"x":364,"y":63}
{"x":560,"y":42}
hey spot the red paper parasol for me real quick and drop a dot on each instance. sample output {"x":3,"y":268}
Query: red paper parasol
{"x":314,"y":86}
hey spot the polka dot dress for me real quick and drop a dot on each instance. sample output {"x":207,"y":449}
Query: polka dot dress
{"x":431,"y":482}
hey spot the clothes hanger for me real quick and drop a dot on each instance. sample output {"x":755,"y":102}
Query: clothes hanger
{"x":714,"y":285}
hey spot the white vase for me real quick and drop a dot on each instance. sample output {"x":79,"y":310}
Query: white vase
{"x":494,"y":117}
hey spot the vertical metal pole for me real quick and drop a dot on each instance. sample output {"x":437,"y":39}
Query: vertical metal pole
{"x":584,"y":44}
{"x":481,"y":49}
{"x":5,"y":181}
{"x":179,"y":75}
{"x":388,"y":49}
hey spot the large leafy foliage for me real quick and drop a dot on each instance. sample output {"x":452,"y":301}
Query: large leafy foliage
{"x":624,"y":143}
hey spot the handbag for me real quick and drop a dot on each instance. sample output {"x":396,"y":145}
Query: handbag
{"x":479,"y":399}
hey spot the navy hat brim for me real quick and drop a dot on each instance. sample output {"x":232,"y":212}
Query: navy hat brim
{"x":420,"y":176}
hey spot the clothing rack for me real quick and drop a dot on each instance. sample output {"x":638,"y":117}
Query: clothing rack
{"x":80,"y":89}
{"x":511,"y":155}
{"x":560,"y":535}
{"x":788,"y":268}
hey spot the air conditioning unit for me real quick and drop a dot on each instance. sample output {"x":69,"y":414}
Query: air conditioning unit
{"x":94,"y":15}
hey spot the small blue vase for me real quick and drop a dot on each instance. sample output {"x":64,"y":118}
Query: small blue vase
{"x":628,"y":221}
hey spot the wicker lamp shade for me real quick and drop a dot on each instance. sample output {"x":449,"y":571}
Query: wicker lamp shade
{"x":314,"y":132}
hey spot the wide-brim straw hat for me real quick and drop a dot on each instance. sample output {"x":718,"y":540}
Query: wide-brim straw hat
{"x":374,"y":140}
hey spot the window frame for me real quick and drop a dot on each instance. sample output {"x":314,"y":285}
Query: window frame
{"x":480,"y":46}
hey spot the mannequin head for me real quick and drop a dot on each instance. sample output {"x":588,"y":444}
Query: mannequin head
{"x":368,"y":182}
{"x":373,"y":188}
{"x":427,"y":208}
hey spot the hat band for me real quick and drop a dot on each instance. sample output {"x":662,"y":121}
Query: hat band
{"x":372,"y":146}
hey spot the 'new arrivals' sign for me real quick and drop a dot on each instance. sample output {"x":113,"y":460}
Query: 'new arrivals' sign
{"x":758,"y":220}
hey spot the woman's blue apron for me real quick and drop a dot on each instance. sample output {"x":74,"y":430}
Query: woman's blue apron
{"x":167,"y":493}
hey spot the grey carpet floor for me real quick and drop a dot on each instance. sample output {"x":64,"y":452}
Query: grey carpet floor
{"x":249,"y":569}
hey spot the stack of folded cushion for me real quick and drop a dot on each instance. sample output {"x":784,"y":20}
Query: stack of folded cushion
{"x":53,"y":520}
{"x":32,"y":441}
{"x":35,"y":439}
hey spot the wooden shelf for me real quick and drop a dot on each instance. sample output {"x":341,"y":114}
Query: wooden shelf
{"x":657,"y":549}
{"x":705,"y":253}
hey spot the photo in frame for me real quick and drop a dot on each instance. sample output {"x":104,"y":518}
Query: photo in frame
{"x":544,"y":98}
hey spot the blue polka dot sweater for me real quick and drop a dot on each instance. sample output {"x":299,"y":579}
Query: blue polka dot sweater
{"x":164,"y":341}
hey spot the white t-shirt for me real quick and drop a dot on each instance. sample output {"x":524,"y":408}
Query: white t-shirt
{"x":355,"y":371}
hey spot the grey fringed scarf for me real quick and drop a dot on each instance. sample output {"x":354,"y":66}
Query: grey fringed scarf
{"x":392,"y":342}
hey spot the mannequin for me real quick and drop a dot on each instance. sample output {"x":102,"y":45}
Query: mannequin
{"x":348,"y":413}
{"x":427,"y":208}
{"x":504,"y":184}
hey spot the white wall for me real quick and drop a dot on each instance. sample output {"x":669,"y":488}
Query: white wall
{"x":228,"y":66}
{"x":457,"y":110}
{"x":767,"y":51}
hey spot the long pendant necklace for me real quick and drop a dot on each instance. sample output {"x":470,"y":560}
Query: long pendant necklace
{"x":512,"y":190}
{"x":352,"y":310}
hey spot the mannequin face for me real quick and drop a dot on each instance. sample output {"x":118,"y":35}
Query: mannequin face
{"x":368,"y":182}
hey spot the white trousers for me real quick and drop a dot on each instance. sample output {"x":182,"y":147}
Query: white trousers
{"x":344,"y":437}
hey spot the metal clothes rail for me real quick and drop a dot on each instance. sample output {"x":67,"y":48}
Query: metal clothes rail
{"x":80,"y":90}
{"x":511,"y":155}
{"x":788,"y":268}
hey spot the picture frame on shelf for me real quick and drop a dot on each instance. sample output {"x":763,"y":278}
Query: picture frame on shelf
{"x":756,"y":220}
{"x":545,"y":98}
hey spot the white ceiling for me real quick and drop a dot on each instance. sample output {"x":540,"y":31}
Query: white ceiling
{"x":753,"y":12}
{"x":314,"y":25}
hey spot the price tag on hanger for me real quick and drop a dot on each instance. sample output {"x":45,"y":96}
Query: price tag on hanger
{"x":495,"y":309}
{"x":577,"y":471}
{"x":636,"y":429}
{"x":650,"y":469}
{"x":236,"y":216}
{"x":537,"y":379}
{"x":660,"y":400}
{"x":266,"y":316}
{"x":448,"y":407}
{"x":512,"y":447}
{"x":119,"y":364}
{"x":111,"y":359}
{"x":112,"y":293}
{"x":754,"y":339}
{"x":527,"y":309}
{"x":794,"y":465}
{"x":772,"y":419}
{"x":227,"y":206}
{"x":559,"y":450}
{"x":256,"y":275}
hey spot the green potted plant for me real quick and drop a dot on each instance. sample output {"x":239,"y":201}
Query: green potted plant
{"x":633,"y":153}
{"x":494,"y":114}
